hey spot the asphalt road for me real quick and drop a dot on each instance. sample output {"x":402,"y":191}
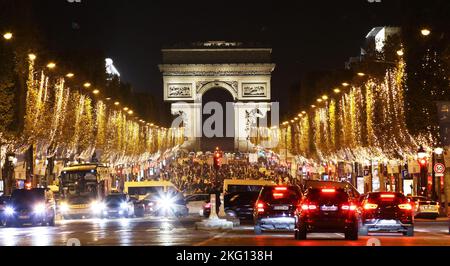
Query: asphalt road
{"x":182,"y":232}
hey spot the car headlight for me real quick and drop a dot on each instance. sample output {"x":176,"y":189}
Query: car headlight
{"x":166,"y":203}
{"x":9,"y":211}
{"x":123,"y":205}
{"x":64,"y":207}
{"x":97,"y":207}
{"x":39,"y":208}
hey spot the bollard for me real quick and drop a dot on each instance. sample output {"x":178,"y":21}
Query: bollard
{"x":213,"y":213}
{"x":222,"y":206}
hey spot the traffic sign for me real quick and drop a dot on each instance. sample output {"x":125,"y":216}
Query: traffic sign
{"x":439,"y":169}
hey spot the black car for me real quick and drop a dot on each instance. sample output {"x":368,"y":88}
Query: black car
{"x":327,"y":210}
{"x":275,"y":208}
{"x":238,"y":205}
{"x":387,"y":212}
{"x":118,"y":205}
{"x":34,"y":206}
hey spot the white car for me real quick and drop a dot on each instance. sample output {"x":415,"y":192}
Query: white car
{"x":424,"y":208}
{"x":196,"y":202}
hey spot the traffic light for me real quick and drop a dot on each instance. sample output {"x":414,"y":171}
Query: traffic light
{"x":217,"y":159}
{"x":423,"y":162}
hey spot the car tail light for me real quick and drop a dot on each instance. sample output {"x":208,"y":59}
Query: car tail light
{"x":278,"y":195}
{"x":387,"y":196}
{"x":370,"y":206}
{"x":350,"y":207}
{"x":208,"y":206}
{"x":281,"y":188}
{"x":260,"y":206}
{"x":328,"y":190}
{"x":309,"y":207}
{"x":406,"y":207}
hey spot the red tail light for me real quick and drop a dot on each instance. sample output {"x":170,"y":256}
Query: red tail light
{"x":309,"y":207}
{"x":370,"y":206}
{"x":387,"y":196}
{"x":281,"y":188}
{"x":347,"y":207}
{"x":328,"y":190}
{"x":406,"y":207}
{"x":208,"y":206}
{"x":260,"y":206}
{"x":278,"y":195}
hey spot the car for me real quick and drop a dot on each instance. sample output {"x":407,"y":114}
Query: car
{"x":238,"y":205}
{"x":195,"y":203}
{"x":170,"y":203}
{"x":349,"y":188}
{"x":425,"y":208}
{"x":275,"y":208}
{"x":327,"y":210}
{"x":118,"y":205}
{"x":3,"y":202}
{"x":386,"y":212}
{"x":31,"y":206}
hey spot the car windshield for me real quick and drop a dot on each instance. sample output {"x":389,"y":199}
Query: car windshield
{"x":116,"y":198}
{"x":274,"y":196}
{"x":145,"y":190}
{"x":327,"y":196}
{"x":27,"y":196}
{"x":243,"y":188}
{"x":387,"y":199}
{"x":246,"y":198}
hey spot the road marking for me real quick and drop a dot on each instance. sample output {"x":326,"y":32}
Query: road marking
{"x":203,"y":243}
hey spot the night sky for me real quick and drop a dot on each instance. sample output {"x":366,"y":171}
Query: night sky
{"x":305,"y":35}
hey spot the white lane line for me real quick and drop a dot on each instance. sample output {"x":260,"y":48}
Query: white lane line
{"x":66,"y":232}
{"x":203,"y":243}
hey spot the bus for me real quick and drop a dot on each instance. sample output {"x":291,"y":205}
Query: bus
{"x":82,"y":190}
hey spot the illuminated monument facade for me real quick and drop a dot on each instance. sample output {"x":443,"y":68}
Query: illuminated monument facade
{"x":244,"y":71}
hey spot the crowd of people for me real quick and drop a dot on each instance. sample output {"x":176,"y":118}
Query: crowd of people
{"x":197,"y":176}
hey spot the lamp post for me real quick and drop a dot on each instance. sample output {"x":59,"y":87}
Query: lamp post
{"x":436,"y":157}
{"x":423,"y":177}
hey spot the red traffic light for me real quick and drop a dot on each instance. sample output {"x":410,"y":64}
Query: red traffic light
{"x":423,"y":162}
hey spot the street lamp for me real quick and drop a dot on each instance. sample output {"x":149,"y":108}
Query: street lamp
{"x":87,"y":85}
{"x":70,"y":75}
{"x":116,"y":103}
{"x":345,"y":84}
{"x":8,"y":36}
{"x":425,"y":32}
{"x":423,"y":178}
{"x":400,"y":52}
{"x":96,"y":92}
{"x":51,"y":65}
{"x":361,"y":74}
{"x":325,"y":97}
{"x":32,"y":57}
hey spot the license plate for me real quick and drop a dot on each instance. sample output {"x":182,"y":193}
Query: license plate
{"x":24,"y":217}
{"x":329,"y":208}
{"x":281,"y":208}
{"x":79,"y":206}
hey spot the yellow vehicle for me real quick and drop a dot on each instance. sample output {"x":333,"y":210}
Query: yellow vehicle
{"x":82,"y":189}
{"x":140,"y":190}
{"x":242,"y":185}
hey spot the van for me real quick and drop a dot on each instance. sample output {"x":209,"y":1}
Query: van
{"x":139,"y":190}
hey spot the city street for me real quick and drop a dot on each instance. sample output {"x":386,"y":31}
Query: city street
{"x":149,"y":232}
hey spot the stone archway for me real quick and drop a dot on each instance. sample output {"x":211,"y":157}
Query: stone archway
{"x":190,"y":72}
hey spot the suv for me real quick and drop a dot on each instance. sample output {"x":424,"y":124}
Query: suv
{"x":34,"y":206}
{"x":275,"y":208}
{"x":387,"y":212}
{"x":118,"y":205}
{"x":3,"y":202}
{"x":327,"y":210}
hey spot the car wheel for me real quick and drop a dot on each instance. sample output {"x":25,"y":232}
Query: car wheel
{"x":52,"y":222}
{"x":363,"y":230}
{"x":352,"y":233}
{"x":410,"y":231}
{"x":300,"y":233}
{"x":258,"y":229}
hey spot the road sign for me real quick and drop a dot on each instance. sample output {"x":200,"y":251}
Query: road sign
{"x":439,"y":168}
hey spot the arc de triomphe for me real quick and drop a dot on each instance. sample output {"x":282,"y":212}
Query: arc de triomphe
{"x":245,"y":72}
